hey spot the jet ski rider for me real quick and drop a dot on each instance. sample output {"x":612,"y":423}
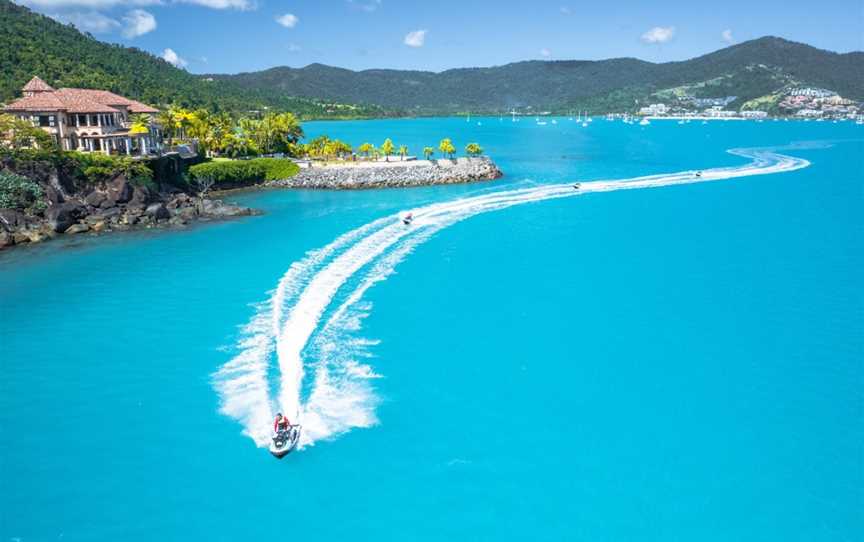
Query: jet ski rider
{"x":281,"y":423}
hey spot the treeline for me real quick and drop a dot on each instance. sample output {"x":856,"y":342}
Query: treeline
{"x":325,"y":148}
{"x":33,"y":44}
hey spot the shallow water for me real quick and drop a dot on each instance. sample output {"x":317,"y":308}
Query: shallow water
{"x":678,"y":362}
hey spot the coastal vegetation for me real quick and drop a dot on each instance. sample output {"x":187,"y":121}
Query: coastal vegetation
{"x":33,"y":44}
{"x":20,"y":193}
{"x":242,"y":172}
{"x":224,"y":134}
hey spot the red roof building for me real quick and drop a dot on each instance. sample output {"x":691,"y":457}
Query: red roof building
{"x":87,"y":120}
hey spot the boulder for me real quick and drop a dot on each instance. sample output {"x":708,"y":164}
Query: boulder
{"x":111,"y":212}
{"x":10,"y":219}
{"x":77,"y":228}
{"x":60,"y":217}
{"x":95,"y":199}
{"x":119,"y":191}
{"x":6,"y":239}
{"x":141,"y":195}
{"x":98,"y":226}
{"x":53,"y":196}
{"x":158,"y":211}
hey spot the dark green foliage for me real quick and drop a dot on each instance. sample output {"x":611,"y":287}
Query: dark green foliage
{"x":32,"y":44}
{"x":243,"y":172}
{"x":93,"y":168}
{"x":748,"y":70}
{"x":20,"y":193}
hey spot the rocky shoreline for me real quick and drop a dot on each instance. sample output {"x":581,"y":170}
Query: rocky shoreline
{"x":394,"y":174}
{"x":120,"y":205}
{"x":114,"y":206}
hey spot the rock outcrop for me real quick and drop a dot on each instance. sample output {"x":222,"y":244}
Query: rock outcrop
{"x":393,"y":174}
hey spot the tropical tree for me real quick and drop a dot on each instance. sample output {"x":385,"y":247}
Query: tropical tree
{"x":366,"y":149}
{"x":473,"y":149}
{"x":403,"y":151}
{"x":446,"y":147}
{"x":174,"y":121}
{"x":18,"y":133}
{"x":387,"y":148}
{"x":428,"y":152}
{"x":140,"y":127}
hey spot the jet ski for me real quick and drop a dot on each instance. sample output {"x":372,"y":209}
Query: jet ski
{"x":577,"y":186}
{"x":284,"y":441}
{"x":408,"y":219}
{"x":698,"y":173}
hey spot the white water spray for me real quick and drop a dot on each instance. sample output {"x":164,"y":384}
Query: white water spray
{"x":290,"y":329}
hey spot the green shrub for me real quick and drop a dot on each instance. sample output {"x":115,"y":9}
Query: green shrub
{"x":244,"y":172}
{"x":93,"y":168}
{"x":20,"y":193}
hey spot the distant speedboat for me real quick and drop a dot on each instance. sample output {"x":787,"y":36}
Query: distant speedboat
{"x":541,"y":123}
{"x":644,"y":122}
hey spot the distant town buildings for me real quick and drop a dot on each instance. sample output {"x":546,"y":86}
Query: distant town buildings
{"x":87,"y":120}
{"x":754,"y":114}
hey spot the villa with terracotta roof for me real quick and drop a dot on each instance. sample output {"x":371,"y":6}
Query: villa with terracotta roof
{"x":87,"y":120}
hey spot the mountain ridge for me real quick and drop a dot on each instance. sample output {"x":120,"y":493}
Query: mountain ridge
{"x":751,"y":69}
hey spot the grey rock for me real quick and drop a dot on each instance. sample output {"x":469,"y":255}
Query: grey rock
{"x":6,"y":239}
{"x":119,"y":191}
{"x":60,"y":217}
{"x":95,"y":198}
{"x":10,"y":219}
{"x":77,"y":228}
{"x":158,"y":211}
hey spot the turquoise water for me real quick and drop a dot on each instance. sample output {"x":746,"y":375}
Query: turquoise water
{"x":681,"y":362}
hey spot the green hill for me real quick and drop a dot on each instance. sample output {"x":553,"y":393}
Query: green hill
{"x":748,"y":70}
{"x":32,"y":44}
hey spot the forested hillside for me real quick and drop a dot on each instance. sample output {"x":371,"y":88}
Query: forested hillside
{"x":32,"y":44}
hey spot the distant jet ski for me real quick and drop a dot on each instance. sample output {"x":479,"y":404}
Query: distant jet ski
{"x":698,"y":173}
{"x":577,"y":186}
{"x":408,"y":219}
{"x":284,"y":441}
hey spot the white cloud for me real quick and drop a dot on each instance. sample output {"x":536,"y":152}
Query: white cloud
{"x":566,"y":10}
{"x":137,"y":23}
{"x":659,"y":34}
{"x":173,"y":58}
{"x":294,"y":48}
{"x":92,"y":22}
{"x":416,"y":38}
{"x":545,"y":53}
{"x":727,"y":36}
{"x":288,"y":20}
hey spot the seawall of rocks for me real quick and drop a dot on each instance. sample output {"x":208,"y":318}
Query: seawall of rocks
{"x":114,"y":206}
{"x":393,"y":174}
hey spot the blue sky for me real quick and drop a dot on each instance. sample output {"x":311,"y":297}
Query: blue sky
{"x":228,"y":36}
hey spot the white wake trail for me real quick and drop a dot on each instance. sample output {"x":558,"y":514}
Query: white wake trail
{"x":341,"y":396}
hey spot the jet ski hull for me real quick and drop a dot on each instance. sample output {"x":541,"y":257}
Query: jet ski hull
{"x":284,"y":442}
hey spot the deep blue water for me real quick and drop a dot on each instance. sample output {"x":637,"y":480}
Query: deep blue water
{"x":674,"y":363}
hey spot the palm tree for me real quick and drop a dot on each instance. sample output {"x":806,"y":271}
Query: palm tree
{"x":140,"y":126}
{"x":366,"y":149}
{"x":473,"y":149}
{"x":387,"y":148}
{"x":446,"y":147}
{"x":403,"y":151}
{"x":428,"y":152}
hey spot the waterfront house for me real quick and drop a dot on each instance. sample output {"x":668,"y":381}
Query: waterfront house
{"x":87,"y":120}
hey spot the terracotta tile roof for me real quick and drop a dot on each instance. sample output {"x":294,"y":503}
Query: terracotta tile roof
{"x":41,"y":101}
{"x":79,"y":100}
{"x":37,"y":85}
{"x":41,"y":97}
